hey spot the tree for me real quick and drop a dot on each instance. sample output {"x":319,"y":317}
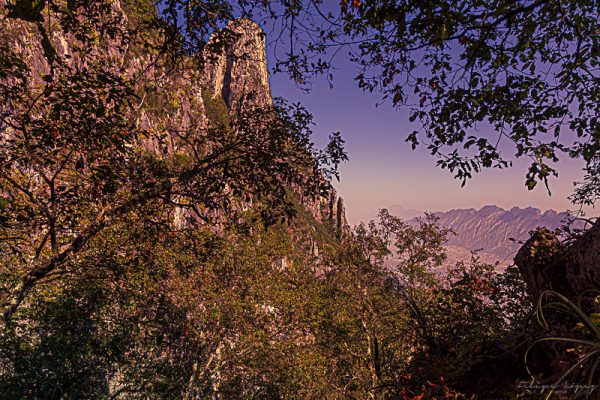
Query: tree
{"x":114,"y":124}
{"x":480,"y":77}
{"x":153,"y":313}
{"x":402,"y":323}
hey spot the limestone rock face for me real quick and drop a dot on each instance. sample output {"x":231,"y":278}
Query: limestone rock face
{"x":236,"y":76}
{"x":583,"y":258}
{"x":239,"y":73}
{"x":239,"y":76}
{"x":536,"y":260}
{"x":181,"y":93}
{"x":336,"y":212}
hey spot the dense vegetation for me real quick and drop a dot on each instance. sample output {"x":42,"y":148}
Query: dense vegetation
{"x":192,"y":314}
{"x":153,"y":247}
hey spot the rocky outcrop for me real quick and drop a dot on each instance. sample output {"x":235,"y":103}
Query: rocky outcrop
{"x":334,"y":211}
{"x":239,"y":74}
{"x":571,"y":268}
{"x":68,"y":57}
{"x":536,"y":260}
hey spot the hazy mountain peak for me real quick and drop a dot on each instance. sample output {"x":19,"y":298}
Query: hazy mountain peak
{"x":490,"y":209}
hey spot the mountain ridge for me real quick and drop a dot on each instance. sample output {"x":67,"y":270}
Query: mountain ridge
{"x":496,"y":232}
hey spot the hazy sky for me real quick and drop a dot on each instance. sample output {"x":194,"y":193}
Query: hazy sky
{"x":384,"y":171}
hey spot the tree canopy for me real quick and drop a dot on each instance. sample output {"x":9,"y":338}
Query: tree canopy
{"x":527,"y":72}
{"x":478,"y":76}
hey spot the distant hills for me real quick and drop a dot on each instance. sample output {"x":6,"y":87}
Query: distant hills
{"x":396,"y":210}
{"x":489,"y":229}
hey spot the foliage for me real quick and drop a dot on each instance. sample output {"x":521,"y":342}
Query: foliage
{"x":423,"y":334}
{"x":79,"y":152}
{"x":154,"y":312}
{"x":158,"y":315}
{"x":576,"y":346}
{"x":148,"y":254}
{"x":479,"y":76}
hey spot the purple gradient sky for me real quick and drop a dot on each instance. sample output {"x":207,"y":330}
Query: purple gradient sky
{"x":384,"y":171}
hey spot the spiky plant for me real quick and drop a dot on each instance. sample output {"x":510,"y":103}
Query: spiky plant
{"x":583,"y":340}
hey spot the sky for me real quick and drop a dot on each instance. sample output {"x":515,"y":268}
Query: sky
{"x":383,"y":170}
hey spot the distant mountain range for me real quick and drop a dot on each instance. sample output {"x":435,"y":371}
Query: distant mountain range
{"x":489,"y":229}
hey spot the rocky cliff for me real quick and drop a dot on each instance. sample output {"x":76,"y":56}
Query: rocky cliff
{"x":570,"y":268}
{"x":239,"y":73}
{"x":238,"y":76}
{"x":234,"y":79}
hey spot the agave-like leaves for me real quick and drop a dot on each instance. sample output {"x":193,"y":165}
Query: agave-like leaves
{"x":561,"y":303}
